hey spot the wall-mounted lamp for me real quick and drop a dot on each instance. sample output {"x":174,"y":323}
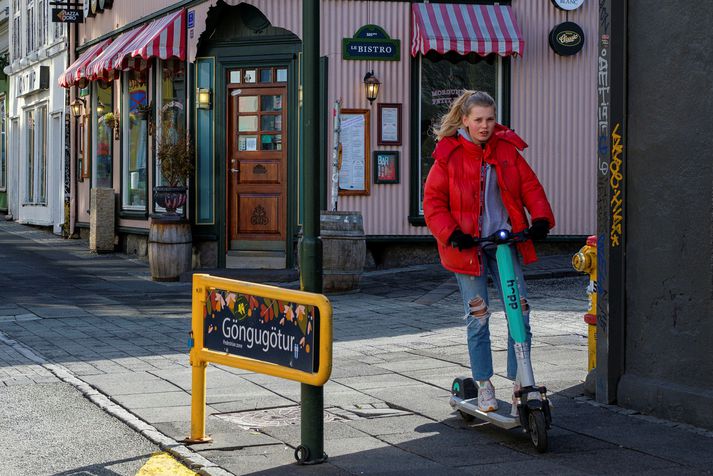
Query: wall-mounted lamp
{"x":101,"y":109}
{"x":371,"y":86}
{"x":77,"y":107}
{"x":204,"y":98}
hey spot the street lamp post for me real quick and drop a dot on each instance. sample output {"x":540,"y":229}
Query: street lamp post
{"x":312,"y":397}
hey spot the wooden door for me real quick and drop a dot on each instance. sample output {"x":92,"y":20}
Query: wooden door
{"x":257,"y":166}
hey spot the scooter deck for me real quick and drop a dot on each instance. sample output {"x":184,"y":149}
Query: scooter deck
{"x":470,"y":407}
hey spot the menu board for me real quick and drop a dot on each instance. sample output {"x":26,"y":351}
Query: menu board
{"x":354,"y":140}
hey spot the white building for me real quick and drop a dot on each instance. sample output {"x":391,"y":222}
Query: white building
{"x":36,"y":115}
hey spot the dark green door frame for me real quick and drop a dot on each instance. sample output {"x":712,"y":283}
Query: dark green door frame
{"x":228,"y":56}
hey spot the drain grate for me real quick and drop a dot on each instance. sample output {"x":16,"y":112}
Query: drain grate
{"x":286,"y":416}
{"x":271,"y":417}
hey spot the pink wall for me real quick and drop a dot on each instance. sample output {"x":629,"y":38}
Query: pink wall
{"x":554,"y":110}
{"x":553,"y":97}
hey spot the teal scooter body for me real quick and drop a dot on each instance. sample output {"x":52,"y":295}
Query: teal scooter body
{"x":533,"y":407}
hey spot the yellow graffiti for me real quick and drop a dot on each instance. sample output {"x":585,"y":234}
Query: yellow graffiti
{"x":616,"y":203}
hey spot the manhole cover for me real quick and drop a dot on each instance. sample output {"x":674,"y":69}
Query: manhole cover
{"x":283,"y":416}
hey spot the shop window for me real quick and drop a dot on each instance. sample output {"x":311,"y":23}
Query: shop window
{"x":134,"y":127}
{"x":103,"y":134}
{"x":442,"y":79}
{"x":3,"y":146}
{"x":171,"y":103}
{"x":36,"y":155}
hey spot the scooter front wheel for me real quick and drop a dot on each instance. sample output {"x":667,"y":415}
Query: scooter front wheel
{"x":538,"y":430}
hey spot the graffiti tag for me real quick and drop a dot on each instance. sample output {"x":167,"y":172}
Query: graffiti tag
{"x":616,"y":202}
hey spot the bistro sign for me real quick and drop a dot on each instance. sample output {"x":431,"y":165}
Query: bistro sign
{"x":371,"y":42}
{"x":567,"y":39}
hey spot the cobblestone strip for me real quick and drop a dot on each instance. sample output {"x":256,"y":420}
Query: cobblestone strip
{"x":19,"y":352}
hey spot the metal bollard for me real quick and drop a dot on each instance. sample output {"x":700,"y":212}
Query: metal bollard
{"x":585,"y":261}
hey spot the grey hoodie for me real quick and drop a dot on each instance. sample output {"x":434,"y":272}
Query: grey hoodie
{"x":494,"y":216}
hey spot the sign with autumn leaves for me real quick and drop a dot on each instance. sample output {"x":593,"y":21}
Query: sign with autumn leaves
{"x":260,"y":328}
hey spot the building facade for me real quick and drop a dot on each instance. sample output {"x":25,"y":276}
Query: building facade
{"x":35,"y":175}
{"x":4,"y":58}
{"x":147,"y":64}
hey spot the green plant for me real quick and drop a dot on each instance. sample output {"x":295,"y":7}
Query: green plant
{"x":174,"y":153}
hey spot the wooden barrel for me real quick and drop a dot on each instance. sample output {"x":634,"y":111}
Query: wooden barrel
{"x":170,"y":249}
{"x":343,"y":250}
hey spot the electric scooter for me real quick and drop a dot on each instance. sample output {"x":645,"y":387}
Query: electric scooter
{"x":532,"y":404}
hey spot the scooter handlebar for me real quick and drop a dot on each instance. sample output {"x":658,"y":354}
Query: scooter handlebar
{"x":504,"y":236}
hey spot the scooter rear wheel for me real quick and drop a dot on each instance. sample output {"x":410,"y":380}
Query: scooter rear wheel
{"x":538,"y":430}
{"x":465,"y":389}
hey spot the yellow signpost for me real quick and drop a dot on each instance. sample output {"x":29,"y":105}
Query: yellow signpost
{"x":265,"y":329}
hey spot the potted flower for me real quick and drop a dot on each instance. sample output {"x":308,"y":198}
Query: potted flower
{"x":174,"y":153}
{"x":170,"y":240}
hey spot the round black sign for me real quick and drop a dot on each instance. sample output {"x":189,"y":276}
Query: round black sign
{"x":567,"y":38}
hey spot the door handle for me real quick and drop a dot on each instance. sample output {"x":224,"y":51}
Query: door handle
{"x":235,"y":171}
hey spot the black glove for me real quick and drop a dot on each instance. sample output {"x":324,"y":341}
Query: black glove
{"x":539,"y":230}
{"x":460,"y":240}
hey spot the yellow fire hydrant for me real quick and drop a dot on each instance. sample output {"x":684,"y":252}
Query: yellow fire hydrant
{"x":585,"y":260}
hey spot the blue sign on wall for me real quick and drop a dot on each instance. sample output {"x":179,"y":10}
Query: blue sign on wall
{"x":371,"y":42}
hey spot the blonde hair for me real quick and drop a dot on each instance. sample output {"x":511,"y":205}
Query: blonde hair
{"x":451,"y":121}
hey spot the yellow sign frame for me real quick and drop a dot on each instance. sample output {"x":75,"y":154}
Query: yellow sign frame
{"x":200,"y":356}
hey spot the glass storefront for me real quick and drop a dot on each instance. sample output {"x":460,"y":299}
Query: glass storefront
{"x":134,"y":126}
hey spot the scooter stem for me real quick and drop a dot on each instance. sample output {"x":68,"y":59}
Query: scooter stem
{"x":513,"y":311}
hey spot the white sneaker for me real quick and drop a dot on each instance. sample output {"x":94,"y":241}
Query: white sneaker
{"x":486,"y":397}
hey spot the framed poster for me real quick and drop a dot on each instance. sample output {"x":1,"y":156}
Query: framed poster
{"x":389,"y":116}
{"x":354,"y":142}
{"x":386,"y":166}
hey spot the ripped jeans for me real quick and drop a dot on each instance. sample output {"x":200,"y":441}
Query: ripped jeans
{"x":478,"y":331}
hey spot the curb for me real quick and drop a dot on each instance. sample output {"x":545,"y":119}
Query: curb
{"x":188,"y":457}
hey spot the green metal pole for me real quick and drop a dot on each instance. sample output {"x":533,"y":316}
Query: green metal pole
{"x":312,"y":425}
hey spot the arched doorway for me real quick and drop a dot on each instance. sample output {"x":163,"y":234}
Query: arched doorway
{"x":255,"y":129}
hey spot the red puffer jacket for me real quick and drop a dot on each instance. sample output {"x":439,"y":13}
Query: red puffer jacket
{"x":453,"y":194}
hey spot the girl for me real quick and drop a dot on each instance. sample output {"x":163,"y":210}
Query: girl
{"x":479,"y":183}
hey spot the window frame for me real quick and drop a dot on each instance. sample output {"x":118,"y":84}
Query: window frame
{"x":35,"y":164}
{"x":158,"y":100}
{"x":3,"y":142}
{"x":133,"y":211}
{"x":503,"y":92}
{"x":31,"y":22}
{"x":94,"y":132}
{"x":17,"y":52}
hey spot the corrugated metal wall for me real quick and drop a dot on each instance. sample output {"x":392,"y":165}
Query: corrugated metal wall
{"x":386,"y":209}
{"x":553,"y":98}
{"x":554,"y":110}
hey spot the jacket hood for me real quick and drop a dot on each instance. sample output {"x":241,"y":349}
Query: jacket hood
{"x":446,"y":146}
{"x":504,"y":133}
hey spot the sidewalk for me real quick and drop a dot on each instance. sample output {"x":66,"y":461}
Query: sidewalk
{"x":100,"y":323}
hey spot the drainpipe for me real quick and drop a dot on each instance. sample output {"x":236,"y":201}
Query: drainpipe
{"x":71,"y":47}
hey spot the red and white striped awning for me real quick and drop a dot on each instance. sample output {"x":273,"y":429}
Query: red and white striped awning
{"x":78,"y":69}
{"x":465,"y":28}
{"x":104,"y":66}
{"x":163,"y":38}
